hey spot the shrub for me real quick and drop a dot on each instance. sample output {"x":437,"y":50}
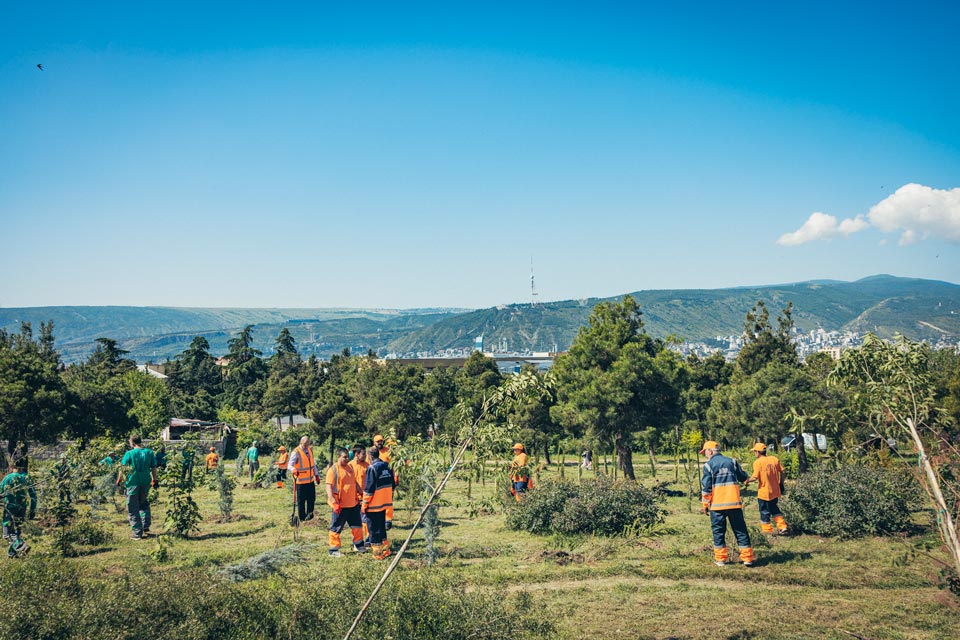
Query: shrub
{"x":194,"y":603}
{"x":851,"y":501}
{"x":599,"y":506}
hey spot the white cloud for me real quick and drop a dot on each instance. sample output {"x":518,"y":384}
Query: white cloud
{"x":822,"y":226}
{"x":921,"y":212}
{"x":917,"y":211}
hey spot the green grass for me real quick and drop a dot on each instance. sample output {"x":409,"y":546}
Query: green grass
{"x":661,"y":586}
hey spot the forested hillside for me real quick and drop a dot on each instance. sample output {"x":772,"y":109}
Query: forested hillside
{"x":885,"y":305}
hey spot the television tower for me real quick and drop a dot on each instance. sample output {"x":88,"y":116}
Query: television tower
{"x":533,"y":286}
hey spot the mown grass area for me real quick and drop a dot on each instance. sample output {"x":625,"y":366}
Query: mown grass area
{"x":661,"y":585}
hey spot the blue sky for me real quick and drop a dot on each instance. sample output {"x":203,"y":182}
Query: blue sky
{"x":384,"y":155}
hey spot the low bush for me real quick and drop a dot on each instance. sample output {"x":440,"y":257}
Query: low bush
{"x":851,"y":501}
{"x":599,"y":506}
{"x":59,"y":600}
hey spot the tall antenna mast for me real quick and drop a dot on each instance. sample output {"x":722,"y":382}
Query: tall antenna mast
{"x":533,"y":286}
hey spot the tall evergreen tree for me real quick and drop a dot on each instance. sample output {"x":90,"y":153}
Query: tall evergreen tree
{"x":616,"y":380}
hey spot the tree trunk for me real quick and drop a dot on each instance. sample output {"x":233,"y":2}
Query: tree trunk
{"x":945,"y":522}
{"x":624,"y":456}
{"x":546,"y":452}
{"x":653,"y":461}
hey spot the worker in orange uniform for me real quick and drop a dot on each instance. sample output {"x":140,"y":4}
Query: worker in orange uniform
{"x":377,"y":496}
{"x":283,"y":459}
{"x":519,"y":473}
{"x":360,"y":465}
{"x":305,"y":474}
{"x":384,"y":447}
{"x":769,"y":474}
{"x":721,"y":499}
{"x":212,"y":459}
{"x":343,"y":499}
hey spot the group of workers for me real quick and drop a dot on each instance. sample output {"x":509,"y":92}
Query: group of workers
{"x":359,"y":491}
{"x":720,"y":486}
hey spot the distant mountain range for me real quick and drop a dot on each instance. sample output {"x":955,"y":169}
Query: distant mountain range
{"x":882,"y":304}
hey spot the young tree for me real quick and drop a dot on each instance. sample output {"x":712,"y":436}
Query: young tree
{"x":283,"y":395}
{"x":894,"y":379}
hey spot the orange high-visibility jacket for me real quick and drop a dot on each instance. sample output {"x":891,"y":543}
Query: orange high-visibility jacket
{"x":283,"y":460}
{"x":360,"y":473}
{"x":769,"y":471}
{"x":378,"y":487}
{"x":344,"y":485}
{"x":518,"y":467}
{"x":302,"y":465}
{"x":212,"y":460}
{"x":721,"y":483}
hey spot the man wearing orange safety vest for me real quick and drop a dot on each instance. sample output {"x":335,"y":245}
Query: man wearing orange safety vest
{"x":360,"y":465}
{"x":721,"y":499}
{"x":519,"y":474}
{"x":769,"y":474}
{"x":305,"y":474}
{"x":283,"y":459}
{"x":343,"y":500}
{"x":384,"y":448}
{"x":377,"y":496}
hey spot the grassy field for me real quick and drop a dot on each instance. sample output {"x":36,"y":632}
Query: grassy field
{"x":661,"y":586}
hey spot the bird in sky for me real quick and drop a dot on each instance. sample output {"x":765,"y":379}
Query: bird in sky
{"x":40,"y":66}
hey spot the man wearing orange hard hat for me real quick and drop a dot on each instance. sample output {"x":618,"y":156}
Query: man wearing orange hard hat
{"x":721,"y":499}
{"x":769,"y":475}
{"x":519,"y":473}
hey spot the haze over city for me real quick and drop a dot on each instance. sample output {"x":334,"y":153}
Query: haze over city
{"x":401,"y":156}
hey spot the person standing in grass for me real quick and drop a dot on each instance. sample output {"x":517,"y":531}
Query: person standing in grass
{"x":143,"y":474}
{"x":519,"y":473}
{"x":721,"y":499}
{"x":253,"y":458}
{"x":305,"y":474}
{"x":16,"y":488}
{"x":384,"y":447}
{"x":360,"y":465}
{"x":283,"y":459}
{"x":377,"y":496}
{"x":212,"y":459}
{"x":769,"y":475}
{"x":343,"y":501}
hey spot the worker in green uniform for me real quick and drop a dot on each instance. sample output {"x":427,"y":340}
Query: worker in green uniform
{"x":16,"y":488}
{"x":143,"y":469}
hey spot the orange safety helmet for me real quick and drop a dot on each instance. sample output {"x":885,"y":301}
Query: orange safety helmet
{"x":212,"y":449}
{"x":281,"y":448}
{"x":377,"y":438}
{"x":518,"y":446}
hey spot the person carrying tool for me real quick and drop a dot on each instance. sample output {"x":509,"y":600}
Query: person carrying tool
{"x":377,"y":496}
{"x":16,"y":488}
{"x":212,"y":459}
{"x":253,"y":457}
{"x":360,"y":465}
{"x":519,"y":473}
{"x":769,"y":475}
{"x":343,"y":499}
{"x":143,"y":469}
{"x":283,"y":459}
{"x":305,"y":474}
{"x":721,"y":499}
